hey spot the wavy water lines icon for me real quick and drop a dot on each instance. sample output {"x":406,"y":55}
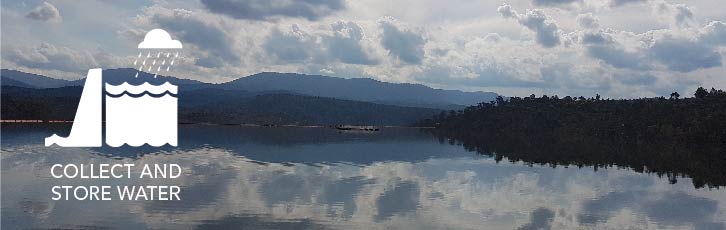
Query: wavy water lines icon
{"x":125,"y":87}
{"x":141,"y":114}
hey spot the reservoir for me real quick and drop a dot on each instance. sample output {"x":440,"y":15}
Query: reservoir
{"x":324,"y":178}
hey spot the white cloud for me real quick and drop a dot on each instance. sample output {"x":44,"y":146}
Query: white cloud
{"x":477,"y":45}
{"x":159,"y":39}
{"x":402,"y":43}
{"x":267,"y":9}
{"x":587,"y":21}
{"x":45,"y":12}
{"x":546,"y":30}
{"x":678,"y":15}
{"x":459,"y":191}
{"x":553,"y":2}
{"x":615,"y":3}
{"x":48,"y":56}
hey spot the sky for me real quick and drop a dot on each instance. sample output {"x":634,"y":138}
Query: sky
{"x":615,"y":48}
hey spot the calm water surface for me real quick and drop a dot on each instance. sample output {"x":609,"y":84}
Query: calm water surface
{"x":319,"y":178}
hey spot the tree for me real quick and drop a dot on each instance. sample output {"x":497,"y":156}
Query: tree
{"x":701,"y":93}
{"x":500,"y":100}
{"x":653,"y":135}
{"x":675,"y":95}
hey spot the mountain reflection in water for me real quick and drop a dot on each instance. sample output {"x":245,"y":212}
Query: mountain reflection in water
{"x":319,"y":178}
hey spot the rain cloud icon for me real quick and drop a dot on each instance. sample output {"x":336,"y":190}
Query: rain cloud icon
{"x":159,"y":39}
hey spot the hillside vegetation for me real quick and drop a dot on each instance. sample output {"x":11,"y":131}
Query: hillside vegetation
{"x":673,"y":137}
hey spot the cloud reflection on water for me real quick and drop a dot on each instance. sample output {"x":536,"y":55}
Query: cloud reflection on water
{"x":222,"y":187}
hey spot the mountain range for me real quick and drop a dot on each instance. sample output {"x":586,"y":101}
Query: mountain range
{"x":277,"y":98}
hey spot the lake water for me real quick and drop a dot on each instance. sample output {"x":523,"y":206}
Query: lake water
{"x":320,"y":178}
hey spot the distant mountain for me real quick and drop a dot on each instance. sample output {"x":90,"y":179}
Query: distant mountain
{"x":303,"y":110}
{"x":111,"y":76}
{"x":359,"y":89}
{"x":118,"y":76}
{"x":222,"y":107}
{"x":356,"y":89}
{"x":275,"y":98}
{"x":12,"y":82}
{"x":14,"y":77}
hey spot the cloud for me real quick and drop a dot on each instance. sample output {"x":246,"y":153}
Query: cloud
{"x":295,"y":45}
{"x":483,"y":75}
{"x":619,"y":44}
{"x":216,"y":47}
{"x":714,"y":33}
{"x":404,"y":44}
{"x":679,"y":15}
{"x":614,"y":55}
{"x":345,"y":44}
{"x":49,"y":57}
{"x":159,"y":39}
{"x":489,"y":61}
{"x":342,"y":43}
{"x":576,"y":79}
{"x":400,"y":199}
{"x":553,"y":2}
{"x":672,"y":208}
{"x":587,"y":21}
{"x":546,"y":31}
{"x":616,"y":3}
{"x":684,"y":55}
{"x":507,"y":12}
{"x":45,"y":12}
{"x":540,"y":219}
{"x":265,"y":9}
{"x":596,"y":38}
{"x":683,"y":14}
{"x":663,"y":50}
{"x":636,"y":78}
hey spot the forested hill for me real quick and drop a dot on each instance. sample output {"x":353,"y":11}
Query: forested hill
{"x":222,"y":107}
{"x":673,"y":137}
{"x":354,"y":89}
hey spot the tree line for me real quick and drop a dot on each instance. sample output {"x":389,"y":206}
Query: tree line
{"x":674,"y":137}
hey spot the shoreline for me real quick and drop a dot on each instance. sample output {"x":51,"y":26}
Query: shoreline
{"x":218,"y":124}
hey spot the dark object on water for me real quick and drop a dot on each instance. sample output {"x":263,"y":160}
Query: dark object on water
{"x":357,"y":127}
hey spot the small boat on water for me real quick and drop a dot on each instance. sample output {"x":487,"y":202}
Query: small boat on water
{"x":357,"y":127}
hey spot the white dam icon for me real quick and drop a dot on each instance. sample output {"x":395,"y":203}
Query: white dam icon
{"x":135,"y":115}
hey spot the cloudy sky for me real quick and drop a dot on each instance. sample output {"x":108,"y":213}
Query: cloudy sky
{"x":617,"y":48}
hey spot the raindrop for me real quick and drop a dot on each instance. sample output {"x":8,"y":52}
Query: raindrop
{"x":135,"y":61}
{"x":158,"y":54}
{"x":139,"y":55}
{"x":172,"y":62}
{"x":137,"y":75}
{"x":163,"y":62}
{"x":154,"y":62}
{"x":168,"y":54}
{"x":157,"y":69}
{"x":143,"y":63}
{"x":167,"y":68}
{"x":148,"y":69}
{"x":148,"y":54}
{"x":176,"y":55}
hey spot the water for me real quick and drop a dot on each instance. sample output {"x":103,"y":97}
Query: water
{"x":320,"y":178}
